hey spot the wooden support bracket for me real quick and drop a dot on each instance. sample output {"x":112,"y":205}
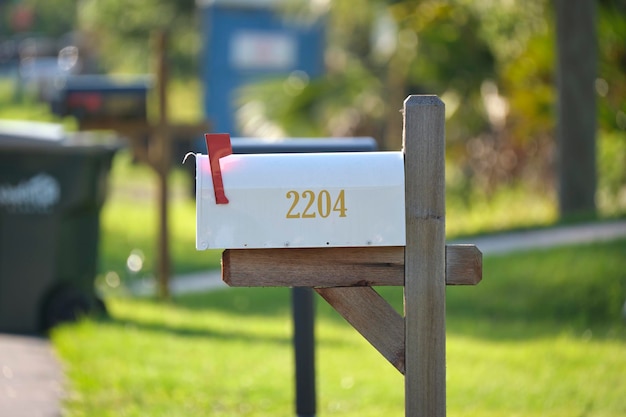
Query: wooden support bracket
{"x":373,"y":317}
{"x":416,"y":342}
{"x":344,"y":277}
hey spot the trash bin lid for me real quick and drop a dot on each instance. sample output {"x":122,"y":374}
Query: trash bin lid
{"x":26,"y":133}
{"x":23,"y":134}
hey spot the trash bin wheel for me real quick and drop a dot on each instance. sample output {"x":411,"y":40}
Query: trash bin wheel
{"x":65,"y":304}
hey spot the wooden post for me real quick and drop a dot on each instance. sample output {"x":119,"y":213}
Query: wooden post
{"x":425,"y":263}
{"x":162,"y":159}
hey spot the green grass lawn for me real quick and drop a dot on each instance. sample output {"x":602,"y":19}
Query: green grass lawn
{"x":541,"y":335}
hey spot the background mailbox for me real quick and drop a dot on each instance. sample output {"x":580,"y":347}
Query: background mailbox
{"x":302,"y":200}
{"x":102,"y":99}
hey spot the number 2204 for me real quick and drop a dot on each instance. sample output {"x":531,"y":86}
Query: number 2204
{"x":308,"y":204}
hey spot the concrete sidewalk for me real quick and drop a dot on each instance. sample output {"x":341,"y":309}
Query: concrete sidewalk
{"x":545,"y":238}
{"x":31,"y":377}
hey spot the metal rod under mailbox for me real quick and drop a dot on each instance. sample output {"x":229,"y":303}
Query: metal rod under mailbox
{"x":303,"y":305}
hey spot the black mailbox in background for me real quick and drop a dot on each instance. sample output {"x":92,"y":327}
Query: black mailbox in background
{"x":101,"y":100}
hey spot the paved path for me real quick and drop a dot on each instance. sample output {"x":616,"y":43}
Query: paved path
{"x":31,"y":378}
{"x":537,"y":239}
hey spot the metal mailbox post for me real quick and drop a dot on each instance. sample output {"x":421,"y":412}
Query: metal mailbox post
{"x":340,"y":266}
{"x":102,"y":99}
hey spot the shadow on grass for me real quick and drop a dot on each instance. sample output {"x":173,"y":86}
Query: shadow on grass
{"x":236,"y":304}
{"x":239,"y":301}
{"x":194,"y":329}
{"x":193,"y":332}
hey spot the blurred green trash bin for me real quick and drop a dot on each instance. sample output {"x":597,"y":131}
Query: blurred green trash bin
{"x":52,"y":187}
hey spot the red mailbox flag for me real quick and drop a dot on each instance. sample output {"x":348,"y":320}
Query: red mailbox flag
{"x":218,"y":146}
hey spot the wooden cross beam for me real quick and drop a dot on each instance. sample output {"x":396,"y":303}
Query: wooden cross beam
{"x":339,"y":267}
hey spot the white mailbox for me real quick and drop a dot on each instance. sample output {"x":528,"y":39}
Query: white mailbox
{"x":298,"y":200}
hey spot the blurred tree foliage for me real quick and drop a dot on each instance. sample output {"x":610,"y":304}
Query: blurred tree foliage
{"x":464,"y":51}
{"x":51,"y":18}
{"x":492,"y":62}
{"x":611,"y":83}
{"x":123,"y":29}
{"x":377,"y":53}
{"x":118,"y":31}
{"x":611,"y":90}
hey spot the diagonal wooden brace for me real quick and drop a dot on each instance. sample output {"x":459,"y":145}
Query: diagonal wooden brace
{"x":373,"y":317}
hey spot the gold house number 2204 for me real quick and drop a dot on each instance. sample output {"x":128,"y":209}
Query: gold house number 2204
{"x":308,"y":205}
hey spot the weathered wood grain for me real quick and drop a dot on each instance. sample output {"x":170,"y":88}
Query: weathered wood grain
{"x":425,"y":258}
{"x":464,"y":265}
{"x":323,"y":267}
{"x":338,"y":267}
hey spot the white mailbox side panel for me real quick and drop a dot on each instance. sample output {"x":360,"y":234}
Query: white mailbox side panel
{"x":302,"y":200}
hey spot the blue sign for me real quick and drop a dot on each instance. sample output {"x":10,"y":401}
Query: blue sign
{"x":248,"y":41}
